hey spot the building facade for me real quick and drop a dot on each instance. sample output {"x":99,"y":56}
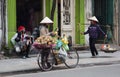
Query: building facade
{"x":3,"y":26}
{"x":69,"y":16}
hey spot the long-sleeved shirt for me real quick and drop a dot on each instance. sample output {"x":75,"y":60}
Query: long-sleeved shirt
{"x":93,"y":31}
{"x":44,"y":31}
{"x":16,"y":35}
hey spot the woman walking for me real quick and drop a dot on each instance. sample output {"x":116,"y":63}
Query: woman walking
{"x":93,"y":31}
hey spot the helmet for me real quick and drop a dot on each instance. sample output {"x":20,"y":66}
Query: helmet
{"x":21,"y":28}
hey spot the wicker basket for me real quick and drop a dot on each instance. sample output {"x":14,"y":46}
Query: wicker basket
{"x":41,"y":46}
{"x":107,"y":48}
{"x":108,"y":51}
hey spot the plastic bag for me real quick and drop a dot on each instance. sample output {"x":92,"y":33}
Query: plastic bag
{"x":66,"y":47}
{"x":59,"y":44}
{"x":62,"y":51}
{"x":17,"y":49}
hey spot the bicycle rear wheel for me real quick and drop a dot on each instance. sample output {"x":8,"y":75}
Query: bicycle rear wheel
{"x":45,"y":64}
{"x":72,"y":58}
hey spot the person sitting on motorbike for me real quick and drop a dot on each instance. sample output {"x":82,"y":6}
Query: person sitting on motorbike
{"x":21,"y":42}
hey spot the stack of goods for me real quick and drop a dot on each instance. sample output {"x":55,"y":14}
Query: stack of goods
{"x":44,"y":42}
{"x":65,"y":43}
{"x":107,"y":48}
{"x":58,"y":60}
{"x":64,"y":40}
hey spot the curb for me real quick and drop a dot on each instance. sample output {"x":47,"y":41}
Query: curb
{"x":34,"y":70}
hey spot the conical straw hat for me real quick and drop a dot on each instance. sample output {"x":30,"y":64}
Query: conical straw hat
{"x":93,"y":19}
{"x":46,"y":20}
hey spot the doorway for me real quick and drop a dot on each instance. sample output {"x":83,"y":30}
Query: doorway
{"x":29,"y":13}
{"x":103,"y":10}
{"x":59,"y":17}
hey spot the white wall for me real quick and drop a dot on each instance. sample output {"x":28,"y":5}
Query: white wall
{"x":0,"y":27}
{"x":88,"y":13}
{"x":68,"y":29}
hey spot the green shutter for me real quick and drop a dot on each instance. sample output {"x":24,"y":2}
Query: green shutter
{"x":48,"y":2}
{"x":79,"y":19}
{"x":109,"y":12}
{"x":55,"y":25}
{"x":11,"y":19}
{"x":48,"y":12}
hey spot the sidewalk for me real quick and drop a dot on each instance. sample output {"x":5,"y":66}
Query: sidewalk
{"x":18,"y":64}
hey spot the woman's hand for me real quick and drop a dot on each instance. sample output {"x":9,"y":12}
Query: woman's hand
{"x":82,"y":33}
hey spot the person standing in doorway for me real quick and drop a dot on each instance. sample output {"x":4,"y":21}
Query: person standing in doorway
{"x":93,"y":31}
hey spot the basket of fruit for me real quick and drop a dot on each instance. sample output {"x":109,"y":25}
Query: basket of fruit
{"x":107,"y":48}
{"x":44,"y":42}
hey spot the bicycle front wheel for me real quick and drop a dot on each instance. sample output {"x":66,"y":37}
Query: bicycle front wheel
{"x":72,"y":58}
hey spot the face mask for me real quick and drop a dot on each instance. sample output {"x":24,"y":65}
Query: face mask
{"x":23,"y":31}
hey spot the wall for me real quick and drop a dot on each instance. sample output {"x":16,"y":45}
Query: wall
{"x":79,"y":21}
{"x":2,"y":23}
{"x":0,"y":27}
{"x":48,"y":8}
{"x":11,"y":16}
{"x":88,"y":13}
{"x":116,"y":22}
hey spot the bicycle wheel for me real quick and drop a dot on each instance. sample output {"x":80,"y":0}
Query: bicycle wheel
{"x":72,"y":59}
{"x":45,"y":64}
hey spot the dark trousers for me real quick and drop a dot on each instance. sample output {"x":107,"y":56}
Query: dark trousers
{"x":25,"y":51}
{"x":93,"y":49}
{"x":44,"y":54}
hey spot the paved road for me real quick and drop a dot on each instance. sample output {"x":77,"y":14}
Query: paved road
{"x":102,"y":71}
{"x":24,"y":65}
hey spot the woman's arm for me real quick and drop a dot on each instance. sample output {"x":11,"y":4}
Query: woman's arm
{"x":100,"y":30}
{"x":13,"y":39}
{"x":86,"y":32}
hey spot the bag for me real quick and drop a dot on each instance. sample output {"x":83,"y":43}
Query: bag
{"x":17,"y":49}
{"x":66,"y":47}
{"x":59,"y":44}
{"x":17,"y":39}
{"x":62,"y":51}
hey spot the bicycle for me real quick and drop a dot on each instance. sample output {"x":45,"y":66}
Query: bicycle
{"x":71,"y":60}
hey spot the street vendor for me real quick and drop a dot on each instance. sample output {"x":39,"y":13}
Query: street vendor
{"x":93,"y":31}
{"x":44,"y":26}
{"x":44,"y":31}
